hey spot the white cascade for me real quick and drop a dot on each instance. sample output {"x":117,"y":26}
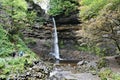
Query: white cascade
{"x":56,"y":47}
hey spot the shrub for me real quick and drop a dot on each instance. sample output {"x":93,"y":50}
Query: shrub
{"x":104,"y":75}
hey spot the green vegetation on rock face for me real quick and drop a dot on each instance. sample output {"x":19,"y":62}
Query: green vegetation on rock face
{"x":66,"y":7}
{"x":14,"y":17}
{"x":91,"y":8}
{"x":101,"y":25}
{"x":9,"y":63}
{"x":6,"y":46}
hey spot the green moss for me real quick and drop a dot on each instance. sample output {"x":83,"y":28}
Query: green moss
{"x":82,"y":48}
{"x":61,"y":43}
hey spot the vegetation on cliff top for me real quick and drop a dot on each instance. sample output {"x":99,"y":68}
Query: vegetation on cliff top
{"x":65,"y":7}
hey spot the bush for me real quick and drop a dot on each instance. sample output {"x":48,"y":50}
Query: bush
{"x":116,"y":76}
{"x":105,"y":74}
{"x":102,"y":63}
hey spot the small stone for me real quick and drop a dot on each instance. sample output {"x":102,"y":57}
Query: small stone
{"x":28,"y":74}
{"x":36,"y":68}
{"x":80,"y":63}
{"x":93,"y":72}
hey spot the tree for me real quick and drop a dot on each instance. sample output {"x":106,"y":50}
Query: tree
{"x":104,"y":30}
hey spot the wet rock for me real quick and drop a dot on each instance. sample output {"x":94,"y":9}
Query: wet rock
{"x":93,"y":72}
{"x":71,"y":19}
{"x":92,"y":65}
{"x":36,"y":68}
{"x":68,"y":75}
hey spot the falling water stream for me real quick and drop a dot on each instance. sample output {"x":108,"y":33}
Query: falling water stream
{"x":44,"y":4}
{"x":56,"y":47}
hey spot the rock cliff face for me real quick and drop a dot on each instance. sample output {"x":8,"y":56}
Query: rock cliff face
{"x":72,"y":18}
{"x":43,"y":36}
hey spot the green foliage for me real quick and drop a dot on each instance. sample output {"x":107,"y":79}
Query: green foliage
{"x":31,"y":16}
{"x":97,"y":51}
{"x":86,"y":2}
{"x":100,"y":31}
{"x":116,"y":76}
{"x":91,"y":49}
{"x":15,"y":8}
{"x":82,"y":48}
{"x":107,"y":74}
{"x":6,"y":46}
{"x":62,"y":7}
{"x":8,"y":63}
{"x":102,"y":63}
{"x":104,"y":74}
{"x":15,"y":15}
{"x":90,"y":8}
{"x":61,"y":43}
{"x":2,"y":63}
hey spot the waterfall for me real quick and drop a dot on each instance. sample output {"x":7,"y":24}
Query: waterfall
{"x":56,"y":47}
{"x":44,"y":4}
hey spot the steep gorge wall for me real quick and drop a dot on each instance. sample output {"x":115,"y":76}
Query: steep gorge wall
{"x":43,"y":34}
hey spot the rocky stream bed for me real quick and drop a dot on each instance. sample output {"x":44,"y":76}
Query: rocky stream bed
{"x":64,"y":70}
